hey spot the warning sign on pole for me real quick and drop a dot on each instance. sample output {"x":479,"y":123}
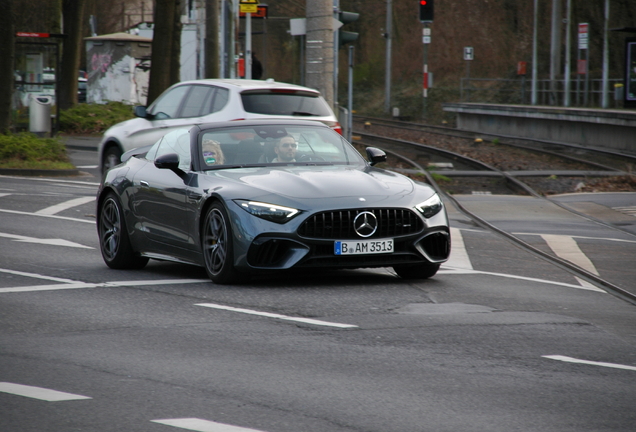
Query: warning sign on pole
{"x":248,"y":6}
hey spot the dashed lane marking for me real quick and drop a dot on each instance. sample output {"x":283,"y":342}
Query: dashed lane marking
{"x":588,"y":362}
{"x":57,"y":208}
{"x":39,"y":392}
{"x":277,"y":316}
{"x":52,"y":242}
{"x":200,"y":425}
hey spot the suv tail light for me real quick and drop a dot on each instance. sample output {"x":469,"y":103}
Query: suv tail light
{"x":335,"y":126}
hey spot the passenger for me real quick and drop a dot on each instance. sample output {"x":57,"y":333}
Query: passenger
{"x":285,"y":150}
{"x":212,"y":153}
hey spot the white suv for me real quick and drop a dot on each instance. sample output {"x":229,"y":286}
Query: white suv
{"x":211,"y":100}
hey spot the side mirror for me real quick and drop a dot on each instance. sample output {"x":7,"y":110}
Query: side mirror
{"x":140,"y":111}
{"x":375,"y":155}
{"x":168,"y":161}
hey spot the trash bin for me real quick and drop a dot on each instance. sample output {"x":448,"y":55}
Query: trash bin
{"x":40,"y":114}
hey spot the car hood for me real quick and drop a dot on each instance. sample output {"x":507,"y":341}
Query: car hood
{"x":329,"y":182}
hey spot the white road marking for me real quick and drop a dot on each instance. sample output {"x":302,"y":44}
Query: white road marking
{"x":4,"y":194}
{"x":459,"y":256}
{"x":583,"y":237}
{"x":52,"y":242}
{"x":65,"y":205}
{"x":587,"y":362}
{"x":48,"y":180}
{"x":72,"y":284}
{"x":48,"y":216}
{"x":38,"y":392}
{"x":566,"y":247}
{"x":453,"y":271}
{"x":272,"y":315}
{"x":87,"y":166}
{"x":200,"y":425}
{"x":630,"y":211}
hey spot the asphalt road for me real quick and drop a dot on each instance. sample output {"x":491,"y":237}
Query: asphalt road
{"x":499,"y":340}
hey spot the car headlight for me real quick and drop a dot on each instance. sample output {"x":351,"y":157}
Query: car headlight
{"x":270,"y":212}
{"x":430,"y":207}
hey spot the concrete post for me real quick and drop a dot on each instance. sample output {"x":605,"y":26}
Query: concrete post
{"x":319,"y":48}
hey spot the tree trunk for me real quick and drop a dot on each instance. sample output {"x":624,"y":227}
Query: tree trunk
{"x":161,"y":48}
{"x":212,"y":39}
{"x":7,"y":54}
{"x":175,"y":58}
{"x":73,"y":17}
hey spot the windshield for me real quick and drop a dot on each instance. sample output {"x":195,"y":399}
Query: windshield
{"x":274,"y":145}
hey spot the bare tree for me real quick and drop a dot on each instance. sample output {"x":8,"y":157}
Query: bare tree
{"x":7,"y":54}
{"x":73,"y":17}
{"x":175,"y":54}
{"x":162,"y":43}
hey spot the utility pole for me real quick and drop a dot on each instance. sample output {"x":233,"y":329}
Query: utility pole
{"x":566,"y":84}
{"x":387,"y":75}
{"x":320,"y":47}
{"x":534,"y":53}
{"x":605,"y":103}
{"x":555,"y":50}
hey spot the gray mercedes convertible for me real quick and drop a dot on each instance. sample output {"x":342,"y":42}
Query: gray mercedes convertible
{"x":248,"y":197}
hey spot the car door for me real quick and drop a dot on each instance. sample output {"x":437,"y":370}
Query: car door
{"x":161,"y":197}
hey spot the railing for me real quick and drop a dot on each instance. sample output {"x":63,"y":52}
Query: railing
{"x":519,"y":91}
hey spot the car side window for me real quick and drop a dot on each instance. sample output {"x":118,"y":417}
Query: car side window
{"x":176,"y":142}
{"x":167,"y":106}
{"x":221,"y":96}
{"x":196,"y":101}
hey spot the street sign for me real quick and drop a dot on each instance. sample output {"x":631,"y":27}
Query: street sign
{"x":583,"y":35}
{"x":469,"y":53}
{"x":260,"y":13}
{"x":248,"y":6}
{"x":426,"y":35}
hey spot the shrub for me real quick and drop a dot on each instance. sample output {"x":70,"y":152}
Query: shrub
{"x":94,"y":118}
{"x":26,"y":150}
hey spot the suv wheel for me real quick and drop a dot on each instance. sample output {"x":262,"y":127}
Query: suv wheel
{"x":112,"y":157}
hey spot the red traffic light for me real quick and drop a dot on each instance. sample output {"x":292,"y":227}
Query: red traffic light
{"x":426,"y":10}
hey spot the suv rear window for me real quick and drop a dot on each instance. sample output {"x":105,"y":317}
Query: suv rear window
{"x":290,"y":104}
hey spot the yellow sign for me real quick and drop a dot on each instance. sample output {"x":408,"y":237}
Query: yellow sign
{"x":248,"y":6}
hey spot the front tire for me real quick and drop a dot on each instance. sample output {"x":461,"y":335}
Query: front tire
{"x":114,"y":242}
{"x":218,"y":249}
{"x":420,"y":271}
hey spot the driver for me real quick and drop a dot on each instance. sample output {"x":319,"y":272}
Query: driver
{"x":285,"y":149}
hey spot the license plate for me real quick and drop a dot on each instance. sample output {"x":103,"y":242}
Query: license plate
{"x":363,"y":247}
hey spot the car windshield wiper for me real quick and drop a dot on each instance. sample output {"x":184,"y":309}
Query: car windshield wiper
{"x":303,"y":113}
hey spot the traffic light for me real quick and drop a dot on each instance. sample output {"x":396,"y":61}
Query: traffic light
{"x":426,"y":10}
{"x":344,"y":37}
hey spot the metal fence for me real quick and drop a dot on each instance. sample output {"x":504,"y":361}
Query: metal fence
{"x":519,"y":92}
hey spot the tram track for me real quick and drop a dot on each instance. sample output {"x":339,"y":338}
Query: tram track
{"x":417,"y":159}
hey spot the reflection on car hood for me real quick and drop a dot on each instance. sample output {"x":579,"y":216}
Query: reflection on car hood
{"x":321,"y":182}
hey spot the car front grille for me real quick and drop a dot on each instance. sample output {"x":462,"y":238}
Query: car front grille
{"x":338,"y":225}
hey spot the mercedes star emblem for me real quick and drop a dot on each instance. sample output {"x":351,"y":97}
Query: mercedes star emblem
{"x":365,"y":224}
